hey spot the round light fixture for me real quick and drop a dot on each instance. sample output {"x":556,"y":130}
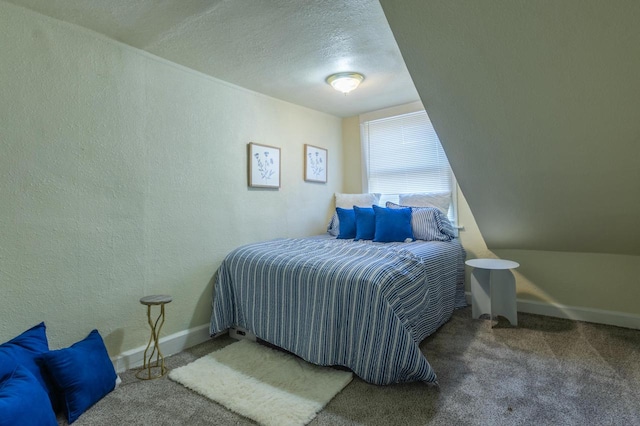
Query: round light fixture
{"x":345,"y":81}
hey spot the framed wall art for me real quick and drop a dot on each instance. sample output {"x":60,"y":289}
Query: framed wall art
{"x":264,"y":166}
{"x":315,"y":164}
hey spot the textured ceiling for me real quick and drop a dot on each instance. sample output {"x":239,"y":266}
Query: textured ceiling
{"x":537,"y":105}
{"x":281,"y":48}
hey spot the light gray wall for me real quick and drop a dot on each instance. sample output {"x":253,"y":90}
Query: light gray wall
{"x":123,"y":175}
{"x":536,"y":104}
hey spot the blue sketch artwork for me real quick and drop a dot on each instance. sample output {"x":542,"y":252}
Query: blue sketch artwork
{"x":315,"y":169}
{"x":266,"y":166}
{"x":316,"y":165}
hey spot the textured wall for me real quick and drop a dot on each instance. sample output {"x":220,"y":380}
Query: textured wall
{"x":536,"y":104}
{"x":123,"y":175}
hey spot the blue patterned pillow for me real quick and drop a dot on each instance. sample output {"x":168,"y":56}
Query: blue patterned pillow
{"x":428,"y":223}
{"x":392,"y":225}
{"x":445,"y":225}
{"x":365,"y":223}
{"x":334,"y":225}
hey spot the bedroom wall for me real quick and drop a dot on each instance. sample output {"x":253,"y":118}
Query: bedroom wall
{"x":124,"y":175}
{"x":586,"y":286}
{"x":352,"y":155}
{"x":536,"y":106}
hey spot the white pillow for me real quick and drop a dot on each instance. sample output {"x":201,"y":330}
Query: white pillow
{"x":439,"y":200}
{"x":347,"y":201}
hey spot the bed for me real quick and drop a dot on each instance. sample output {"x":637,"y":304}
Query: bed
{"x":357,"y":304}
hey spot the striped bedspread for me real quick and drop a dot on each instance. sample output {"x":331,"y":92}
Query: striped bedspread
{"x":362,"y":305}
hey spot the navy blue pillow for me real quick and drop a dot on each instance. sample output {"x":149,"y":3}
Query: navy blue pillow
{"x":347,"y":218}
{"x":83,"y":372}
{"x":23,"y":400}
{"x":365,"y":223}
{"x":26,"y":350}
{"x":392,"y":225}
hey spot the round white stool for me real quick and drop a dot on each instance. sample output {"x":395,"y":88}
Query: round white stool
{"x":493,"y":289}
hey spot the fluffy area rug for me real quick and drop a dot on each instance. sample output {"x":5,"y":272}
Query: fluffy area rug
{"x":263,"y":384}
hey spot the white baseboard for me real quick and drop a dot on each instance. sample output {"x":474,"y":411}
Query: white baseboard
{"x":182,"y":340}
{"x":169,"y":345}
{"x":599,"y":316}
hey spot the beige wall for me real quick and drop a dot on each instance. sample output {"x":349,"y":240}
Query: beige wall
{"x":352,"y":156}
{"x":575,"y":285}
{"x":123,"y":175}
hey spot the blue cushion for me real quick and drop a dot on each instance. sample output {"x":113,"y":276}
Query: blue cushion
{"x":347,"y":218}
{"x":365,"y":223}
{"x":26,"y":350}
{"x":428,"y":223}
{"x":83,"y":372}
{"x":392,"y":225}
{"x":23,"y":400}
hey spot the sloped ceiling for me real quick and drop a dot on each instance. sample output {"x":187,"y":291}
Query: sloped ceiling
{"x":537,"y":104}
{"x":282,"y":48}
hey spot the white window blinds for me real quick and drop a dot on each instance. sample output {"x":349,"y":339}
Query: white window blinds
{"x":402,"y":154}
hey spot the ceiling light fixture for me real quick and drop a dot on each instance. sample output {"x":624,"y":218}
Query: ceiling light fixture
{"x":345,"y":81}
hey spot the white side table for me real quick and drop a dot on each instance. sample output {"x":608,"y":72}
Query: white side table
{"x":493,"y":288}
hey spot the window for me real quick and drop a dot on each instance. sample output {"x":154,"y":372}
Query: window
{"x":402,"y":154}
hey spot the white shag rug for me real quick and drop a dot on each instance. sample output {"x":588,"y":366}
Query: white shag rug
{"x":263,"y":384}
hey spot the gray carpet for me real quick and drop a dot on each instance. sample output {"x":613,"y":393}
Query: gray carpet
{"x":547,"y":371}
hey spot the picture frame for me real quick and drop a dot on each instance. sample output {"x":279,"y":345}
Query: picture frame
{"x":315,"y":163}
{"x":263,"y":166}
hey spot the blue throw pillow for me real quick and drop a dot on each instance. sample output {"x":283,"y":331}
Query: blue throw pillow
{"x":83,"y":372}
{"x":23,"y":400}
{"x":392,"y":225}
{"x":347,"y":218}
{"x":365,"y":223}
{"x":26,"y":350}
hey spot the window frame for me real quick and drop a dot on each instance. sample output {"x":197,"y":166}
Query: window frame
{"x":390,"y":113}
